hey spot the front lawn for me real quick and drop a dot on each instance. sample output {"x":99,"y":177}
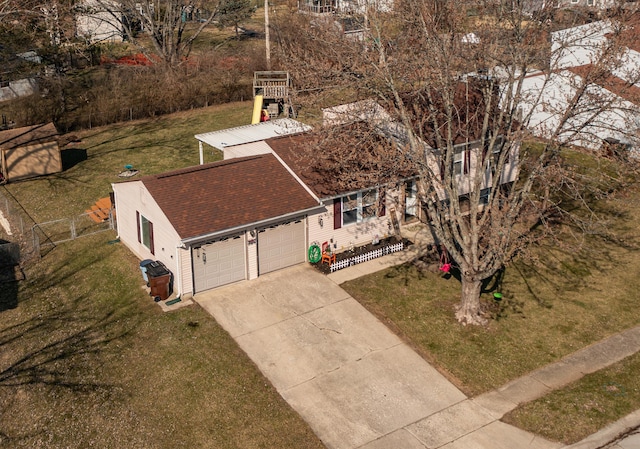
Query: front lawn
{"x":584,"y":407}
{"x":563,"y":302}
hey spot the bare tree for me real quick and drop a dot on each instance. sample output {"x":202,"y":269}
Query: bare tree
{"x":468,"y":82}
{"x":171,"y":26}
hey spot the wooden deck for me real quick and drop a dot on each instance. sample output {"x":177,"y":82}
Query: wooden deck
{"x":99,"y":212}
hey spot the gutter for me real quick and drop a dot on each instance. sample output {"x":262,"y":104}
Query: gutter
{"x":213,"y":235}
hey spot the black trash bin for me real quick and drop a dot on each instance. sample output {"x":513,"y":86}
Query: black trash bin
{"x":143,"y":268}
{"x":159,"y":279}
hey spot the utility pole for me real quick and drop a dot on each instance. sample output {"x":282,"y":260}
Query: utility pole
{"x":266,"y":33}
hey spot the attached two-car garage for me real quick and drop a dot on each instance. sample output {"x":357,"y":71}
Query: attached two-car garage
{"x":228,"y":260}
{"x":281,"y":246}
{"x":219,"y":263}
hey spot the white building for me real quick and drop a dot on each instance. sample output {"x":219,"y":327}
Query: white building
{"x":99,"y":21}
{"x":596,"y":82}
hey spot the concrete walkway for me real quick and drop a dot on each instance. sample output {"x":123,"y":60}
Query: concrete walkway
{"x":359,"y":386}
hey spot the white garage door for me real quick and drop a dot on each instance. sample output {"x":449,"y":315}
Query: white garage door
{"x":219,"y":263}
{"x":281,"y":246}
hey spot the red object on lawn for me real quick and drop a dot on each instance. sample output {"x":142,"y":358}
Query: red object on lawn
{"x":445,"y":265}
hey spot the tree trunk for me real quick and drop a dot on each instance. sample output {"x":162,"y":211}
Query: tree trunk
{"x":468,"y":312}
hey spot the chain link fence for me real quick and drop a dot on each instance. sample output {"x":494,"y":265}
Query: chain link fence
{"x":22,"y":239}
{"x":17,"y":241}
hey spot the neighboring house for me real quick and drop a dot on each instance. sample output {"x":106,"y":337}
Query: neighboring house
{"x":343,"y":6}
{"x":535,"y":6}
{"x":13,"y":82}
{"x":217,"y":223}
{"x":28,"y":152}
{"x":99,"y":21}
{"x":10,"y":90}
{"x":609,"y":108}
{"x":596,"y":4}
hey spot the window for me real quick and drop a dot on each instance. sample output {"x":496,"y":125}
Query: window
{"x":356,"y":208}
{"x":484,"y":195}
{"x":461,"y":162}
{"x":145,"y":232}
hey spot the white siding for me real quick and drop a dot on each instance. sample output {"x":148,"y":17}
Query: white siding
{"x":131,"y":197}
{"x":95,"y":23}
{"x":252,"y":256}
{"x":247,"y":149}
{"x":186,"y":271}
{"x":350,"y":235}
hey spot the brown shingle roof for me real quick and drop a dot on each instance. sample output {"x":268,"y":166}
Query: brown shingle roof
{"x":13,"y":138}
{"x":467,"y":115}
{"x":222,"y":195}
{"x":342,"y":159}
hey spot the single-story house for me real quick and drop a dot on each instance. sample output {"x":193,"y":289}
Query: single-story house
{"x":28,"y":152}
{"x":217,"y":223}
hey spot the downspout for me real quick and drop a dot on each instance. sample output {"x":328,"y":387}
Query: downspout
{"x":179,"y":269}
{"x":200,"y":149}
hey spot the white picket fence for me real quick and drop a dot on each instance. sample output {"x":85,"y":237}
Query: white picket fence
{"x":370,"y":255}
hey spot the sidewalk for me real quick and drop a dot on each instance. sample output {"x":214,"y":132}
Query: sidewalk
{"x":474,"y":422}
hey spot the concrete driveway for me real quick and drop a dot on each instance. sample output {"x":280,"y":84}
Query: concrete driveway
{"x":354,"y":381}
{"x":359,"y":386}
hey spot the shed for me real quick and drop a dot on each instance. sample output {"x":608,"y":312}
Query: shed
{"x":29,"y":151}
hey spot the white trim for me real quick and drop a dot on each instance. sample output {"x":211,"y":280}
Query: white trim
{"x":225,"y":232}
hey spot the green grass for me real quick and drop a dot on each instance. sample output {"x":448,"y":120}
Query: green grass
{"x":151,"y":146}
{"x":566,"y":300}
{"x":87,"y":359}
{"x":584,"y":407}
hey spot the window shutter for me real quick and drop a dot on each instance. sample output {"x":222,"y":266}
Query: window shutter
{"x":337,"y":213}
{"x":382,"y":209}
{"x":151,"y":248}
{"x":138,"y":227}
{"x":467,"y":161}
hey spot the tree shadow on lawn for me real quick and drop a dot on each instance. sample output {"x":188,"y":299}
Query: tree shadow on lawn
{"x":545,"y":266}
{"x":60,"y":350}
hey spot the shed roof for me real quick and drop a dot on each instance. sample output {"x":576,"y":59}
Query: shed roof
{"x":13,"y":138}
{"x":223,"y":195}
{"x":252,"y":133}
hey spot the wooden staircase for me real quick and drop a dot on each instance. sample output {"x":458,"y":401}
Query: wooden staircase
{"x":99,"y":212}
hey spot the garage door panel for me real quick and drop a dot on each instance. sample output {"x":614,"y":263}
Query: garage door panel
{"x":281,"y":246}
{"x":219,"y":263}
